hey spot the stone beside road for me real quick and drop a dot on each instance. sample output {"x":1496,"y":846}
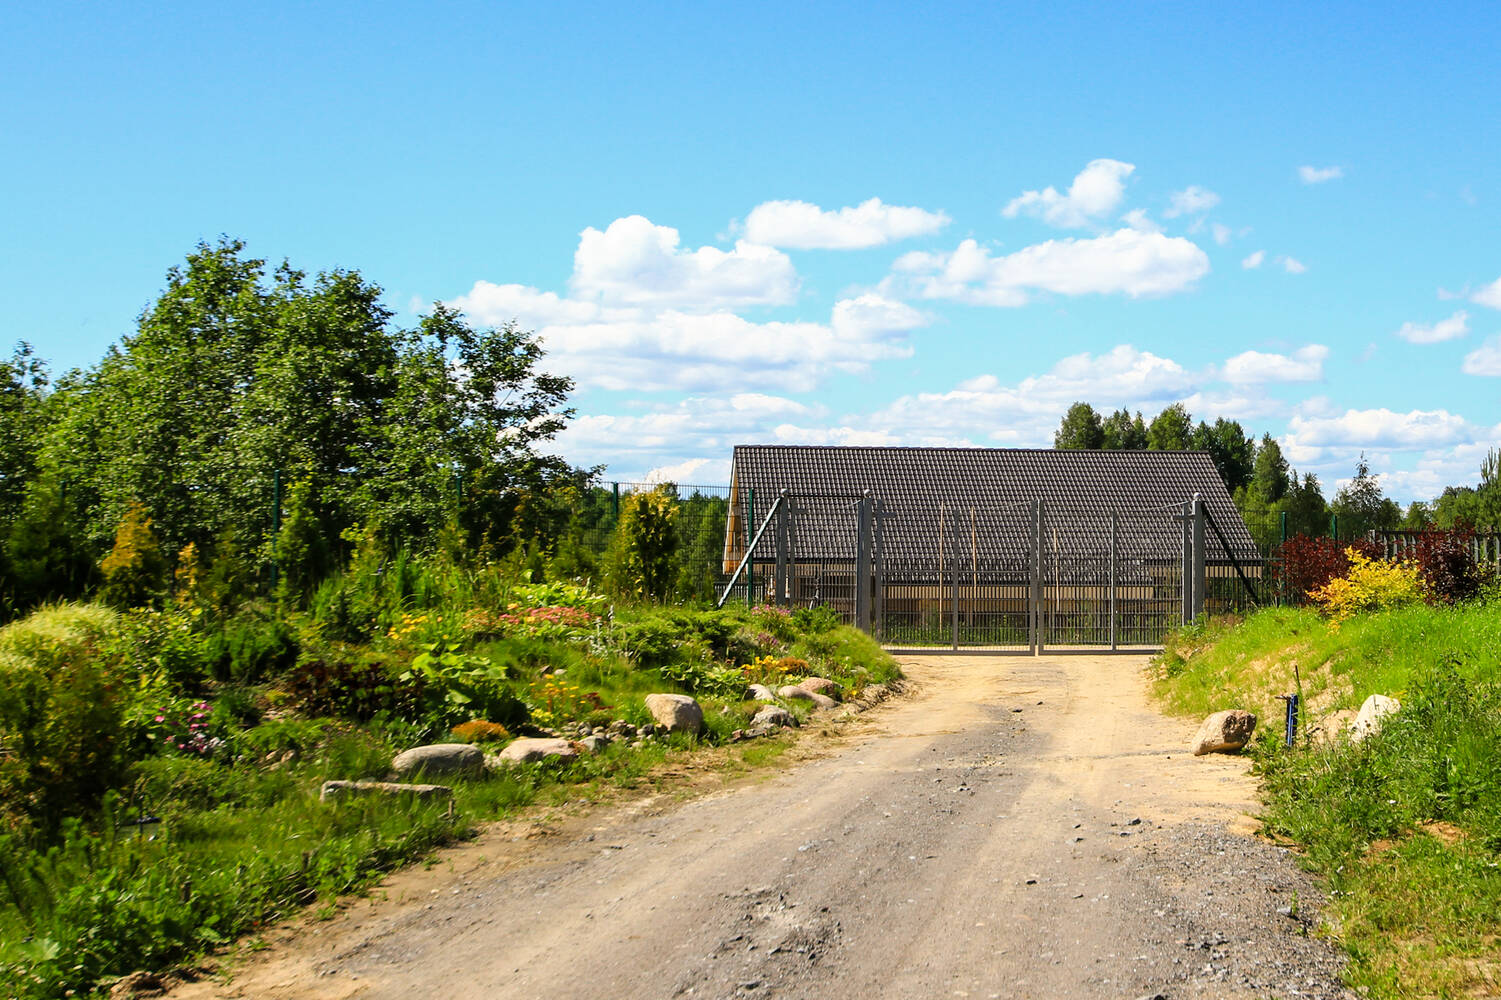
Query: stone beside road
{"x":773,"y":715}
{"x":1372,"y":711}
{"x":1224,"y":732}
{"x":334,"y":791}
{"x":677,"y":713}
{"x":439,"y":760}
{"x":528,"y":750}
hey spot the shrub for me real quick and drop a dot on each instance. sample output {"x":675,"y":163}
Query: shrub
{"x":480,"y":731}
{"x":163,"y":645}
{"x":645,"y":543}
{"x":821,"y":618}
{"x":134,"y":571}
{"x":345,"y":687}
{"x":61,"y":714}
{"x":1368,"y":585}
{"x":1305,"y":564}
{"x":651,"y":642}
{"x":252,"y":645}
{"x":1446,"y":562}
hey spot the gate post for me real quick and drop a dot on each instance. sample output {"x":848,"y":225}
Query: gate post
{"x":862,"y":562}
{"x":1199,"y":579}
{"x":1115,"y":539}
{"x":1037,"y":591}
{"x":878,"y":547}
{"x":1185,"y":563}
{"x":779,"y":583}
{"x":954,"y":558}
{"x":791,"y":549}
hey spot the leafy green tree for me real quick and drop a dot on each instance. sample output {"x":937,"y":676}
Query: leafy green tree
{"x":1360,"y":505}
{"x":23,"y":400}
{"x":1270,"y":476}
{"x":1123,"y":432}
{"x":134,"y":571}
{"x":1171,"y":430}
{"x":1081,"y":429}
{"x":646,"y":542}
{"x":1307,"y":510}
{"x":1418,"y":517}
{"x":1231,"y":450}
{"x":45,"y":555}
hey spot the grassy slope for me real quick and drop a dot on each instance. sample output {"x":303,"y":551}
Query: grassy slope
{"x":1405,"y":827}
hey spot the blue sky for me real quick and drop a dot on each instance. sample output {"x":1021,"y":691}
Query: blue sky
{"x":851,"y":223}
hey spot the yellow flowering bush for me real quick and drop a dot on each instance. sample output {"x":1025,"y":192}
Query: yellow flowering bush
{"x":1369,"y":585}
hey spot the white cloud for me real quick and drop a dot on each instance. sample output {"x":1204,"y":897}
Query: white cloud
{"x":1095,"y":193}
{"x":1192,"y":200}
{"x":1253,"y":261}
{"x":636,"y":263}
{"x":1490,"y":295}
{"x":1318,"y":175}
{"x":805,"y":226}
{"x":494,"y":304}
{"x":1137,"y":218}
{"x":1485,"y":359}
{"x":691,"y":472}
{"x":1222,"y":233}
{"x":1453,"y":328}
{"x":1128,"y":261}
{"x":1304,"y":365}
{"x":874,"y":316}
{"x":1292,"y":265}
{"x":1382,"y":428}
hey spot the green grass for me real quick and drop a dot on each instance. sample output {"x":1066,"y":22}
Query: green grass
{"x":1405,"y":826}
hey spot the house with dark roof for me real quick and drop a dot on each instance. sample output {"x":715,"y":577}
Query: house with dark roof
{"x":969,"y":531}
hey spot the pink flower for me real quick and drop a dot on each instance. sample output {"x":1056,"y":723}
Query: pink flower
{"x":161,"y":718}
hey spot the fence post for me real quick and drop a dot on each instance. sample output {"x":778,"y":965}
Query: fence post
{"x":615,"y":502}
{"x":1035,"y":614}
{"x":954,"y":550}
{"x":779,"y":582}
{"x":862,"y":562}
{"x":750,"y":541}
{"x":1115,"y":537}
{"x":1199,"y":576}
{"x":1334,"y":526}
{"x":791,"y":548}
{"x":878,"y":551}
{"x":1185,"y":561}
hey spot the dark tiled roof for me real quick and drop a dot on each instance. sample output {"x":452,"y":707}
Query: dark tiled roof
{"x":991,"y":489}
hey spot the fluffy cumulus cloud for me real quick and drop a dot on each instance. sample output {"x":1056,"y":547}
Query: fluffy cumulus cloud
{"x":1253,"y":260}
{"x":1304,"y":365}
{"x":1192,"y":200}
{"x":1485,"y":359}
{"x":804,"y":226}
{"x":1128,"y":262}
{"x":1095,"y":193}
{"x":1318,"y":175}
{"x":634,"y":262}
{"x":1382,"y":428}
{"x":1490,"y":295}
{"x":1453,"y":328}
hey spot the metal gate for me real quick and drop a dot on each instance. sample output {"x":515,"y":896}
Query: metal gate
{"x":982,"y":576}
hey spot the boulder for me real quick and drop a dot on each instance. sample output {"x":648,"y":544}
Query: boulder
{"x":773,"y":715}
{"x":439,"y":760}
{"x":794,"y":693}
{"x":595,"y":743}
{"x":822,"y":700}
{"x":821,"y":685}
{"x":676,"y":713}
{"x":760,"y":692}
{"x":334,"y":791}
{"x":530,"y":750}
{"x":1372,"y":711}
{"x":1224,"y":732}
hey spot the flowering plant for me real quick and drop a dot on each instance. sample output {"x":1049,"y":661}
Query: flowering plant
{"x":1369,"y":585}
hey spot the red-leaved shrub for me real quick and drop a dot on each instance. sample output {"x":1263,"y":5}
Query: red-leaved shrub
{"x":1447,"y":565}
{"x":1303,"y":564}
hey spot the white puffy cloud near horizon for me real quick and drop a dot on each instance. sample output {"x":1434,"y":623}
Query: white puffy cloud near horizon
{"x":1249,"y":367}
{"x":802,"y":225}
{"x":1453,"y":328}
{"x":1129,"y":262}
{"x":1096,"y":192}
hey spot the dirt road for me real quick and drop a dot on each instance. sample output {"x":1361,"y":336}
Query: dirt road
{"x":1020,"y":828}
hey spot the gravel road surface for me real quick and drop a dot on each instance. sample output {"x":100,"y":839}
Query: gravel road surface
{"x":1019,"y":827}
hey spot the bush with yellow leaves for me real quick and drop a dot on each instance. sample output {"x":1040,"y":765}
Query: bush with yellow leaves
{"x":1369,"y":585}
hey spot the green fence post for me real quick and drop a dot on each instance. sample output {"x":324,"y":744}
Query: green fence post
{"x":1334,"y":526}
{"x":1284,"y":526}
{"x":615,"y":499}
{"x":750,"y":537}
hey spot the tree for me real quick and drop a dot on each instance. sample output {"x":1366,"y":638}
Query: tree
{"x":23,"y":398}
{"x":1081,"y":429}
{"x":1122,"y":432}
{"x":1270,"y":477}
{"x":1232,"y":452}
{"x":646,"y":542}
{"x":1171,"y":430}
{"x":1360,"y":505}
{"x":1307,"y":511}
{"x":135,"y":573}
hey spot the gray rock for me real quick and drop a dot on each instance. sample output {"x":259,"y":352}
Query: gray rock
{"x":530,"y":751}
{"x":1224,"y":732}
{"x":794,"y":693}
{"x":760,"y":692}
{"x":773,"y":715}
{"x":439,"y":760}
{"x":1372,"y":711}
{"x":822,"y":700}
{"x":821,"y":685}
{"x":334,"y":791}
{"x":595,"y":743}
{"x":676,"y":713}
